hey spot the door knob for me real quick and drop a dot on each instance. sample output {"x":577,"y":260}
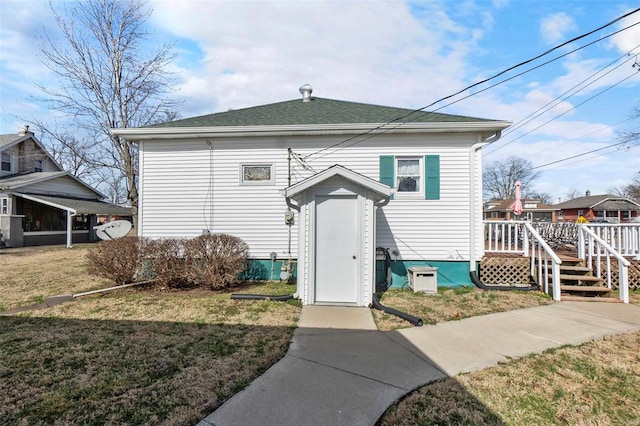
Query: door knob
{"x":354,"y":256}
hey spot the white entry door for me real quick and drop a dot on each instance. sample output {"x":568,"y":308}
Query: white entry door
{"x":337,"y":242}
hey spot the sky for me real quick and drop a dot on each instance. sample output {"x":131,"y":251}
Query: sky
{"x":236,"y":54}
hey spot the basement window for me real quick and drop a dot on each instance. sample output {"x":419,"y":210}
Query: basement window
{"x":257,"y":174}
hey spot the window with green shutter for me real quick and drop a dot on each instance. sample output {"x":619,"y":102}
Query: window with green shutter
{"x":412,"y":175}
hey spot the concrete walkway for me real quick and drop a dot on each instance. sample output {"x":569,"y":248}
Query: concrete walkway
{"x":341,"y":371}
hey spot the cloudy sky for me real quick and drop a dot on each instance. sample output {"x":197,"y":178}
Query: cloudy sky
{"x":235,"y":54}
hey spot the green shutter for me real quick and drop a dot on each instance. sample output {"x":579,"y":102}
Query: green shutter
{"x":387,"y":170}
{"x":432,"y":177}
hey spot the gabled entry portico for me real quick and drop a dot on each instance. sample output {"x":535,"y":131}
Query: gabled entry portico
{"x":336,"y":244}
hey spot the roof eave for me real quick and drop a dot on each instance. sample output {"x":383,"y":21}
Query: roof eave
{"x":135,"y":134}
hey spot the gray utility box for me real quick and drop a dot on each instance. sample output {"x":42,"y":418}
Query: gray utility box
{"x":423,"y":278}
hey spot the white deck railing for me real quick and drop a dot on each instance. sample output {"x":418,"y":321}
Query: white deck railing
{"x":519,"y":237}
{"x":591,"y":246}
{"x":623,"y":237}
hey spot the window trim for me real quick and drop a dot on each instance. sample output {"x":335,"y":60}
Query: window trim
{"x":3,"y":162}
{"x":4,"y":205}
{"x":419,"y":192}
{"x":272,"y":174}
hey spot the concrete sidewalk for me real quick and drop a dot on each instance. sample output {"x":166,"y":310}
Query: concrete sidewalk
{"x":341,"y":371}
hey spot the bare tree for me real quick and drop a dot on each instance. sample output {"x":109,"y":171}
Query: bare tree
{"x":631,"y":190}
{"x":107,"y":79}
{"x":499,"y":178}
{"x":573,"y":193}
{"x":632,"y":137}
{"x":544,"y":197}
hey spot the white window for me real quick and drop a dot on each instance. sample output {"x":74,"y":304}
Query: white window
{"x":257,"y":174}
{"x":494,"y":215}
{"x":38,"y":166}
{"x":6,"y":162}
{"x":4,"y":205}
{"x":409,"y":174}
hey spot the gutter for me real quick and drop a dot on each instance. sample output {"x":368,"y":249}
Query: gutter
{"x":473,"y":168}
{"x":157,"y":133}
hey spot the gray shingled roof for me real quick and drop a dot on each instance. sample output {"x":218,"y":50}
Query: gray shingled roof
{"x":613,"y":202}
{"x":317,"y":111}
{"x":13,"y":181}
{"x":7,"y":139}
{"x":85,"y":206}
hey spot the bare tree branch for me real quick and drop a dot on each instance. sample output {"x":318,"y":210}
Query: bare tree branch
{"x":106,"y":79}
{"x":499,"y":178}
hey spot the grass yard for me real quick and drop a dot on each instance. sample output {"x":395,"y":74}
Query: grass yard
{"x":597,"y":383}
{"x":452,"y":304}
{"x":27,"y":277}
{"x":132,"y":356}
{"x":140,"y":356}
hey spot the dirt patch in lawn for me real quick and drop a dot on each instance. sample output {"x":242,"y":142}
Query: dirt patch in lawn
{"x":452,"y":304}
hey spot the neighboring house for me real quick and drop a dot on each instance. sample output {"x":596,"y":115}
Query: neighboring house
{"x":323,"y":182}
{"x":599,"y":208}
{"x":533,"y":210}
{"x":40,"y":203}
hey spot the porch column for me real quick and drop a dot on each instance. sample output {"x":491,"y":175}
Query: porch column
{"x":69,"y":230}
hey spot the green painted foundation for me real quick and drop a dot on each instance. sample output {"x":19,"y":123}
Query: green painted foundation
{"x":450,"y":273}
{"x":260,"y":270}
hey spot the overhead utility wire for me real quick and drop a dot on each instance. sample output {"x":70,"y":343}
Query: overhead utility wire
{"x":484,"y":81}
{"x":370,"y":133}
{"x":579,"y":155}
{"x":559,"y":98}
{"x":560,"y":115}
{"x":589,"y":158}
{"x":585,"y":135}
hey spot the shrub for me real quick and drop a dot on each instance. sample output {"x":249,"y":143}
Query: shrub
{"x":119,"y":259}
{"x":166,"y":263}
{"x":215,"y":261}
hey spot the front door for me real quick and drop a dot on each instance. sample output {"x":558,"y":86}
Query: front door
{"x":336,"y":262}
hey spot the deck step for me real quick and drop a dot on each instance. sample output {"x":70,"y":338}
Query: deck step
{"x":572,"y":298}
{"x":585,"y":278}
{"x":573,"y":268}
{"x":585,"y":288}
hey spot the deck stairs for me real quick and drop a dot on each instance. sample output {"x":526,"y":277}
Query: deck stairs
{"x":578,"y":282}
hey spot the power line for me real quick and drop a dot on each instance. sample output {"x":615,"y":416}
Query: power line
{"x":533,"y":115}
{"x":564,"y":113}
{"x":371,"y":131}
{"x":580,"y":155}
{"x":587,"y":134}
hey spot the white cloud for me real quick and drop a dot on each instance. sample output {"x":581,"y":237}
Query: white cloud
{"x":629,"y":39}
{"x":378,"y":52}
{"x":554,"y":28}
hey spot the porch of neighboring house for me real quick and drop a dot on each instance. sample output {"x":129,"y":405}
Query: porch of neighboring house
{"x":568,"y":261}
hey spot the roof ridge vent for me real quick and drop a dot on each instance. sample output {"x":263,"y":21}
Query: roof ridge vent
{"x":306,"y":91}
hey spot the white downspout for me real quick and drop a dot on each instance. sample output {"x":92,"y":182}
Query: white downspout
{"x":473,"y":221}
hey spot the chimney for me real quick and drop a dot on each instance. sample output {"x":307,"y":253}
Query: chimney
{"x":25,"y":131}
{"x":305,"y":91}
{"x":588,"y":193}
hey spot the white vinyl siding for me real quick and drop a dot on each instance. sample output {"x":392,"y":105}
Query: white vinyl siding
{"x":181,"y":199}
{"x":64,"y":186}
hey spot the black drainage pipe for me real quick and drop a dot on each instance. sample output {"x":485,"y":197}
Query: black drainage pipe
{"x":476,"y":280}
{"x":281,"y":298}
{"x":413,"y":320}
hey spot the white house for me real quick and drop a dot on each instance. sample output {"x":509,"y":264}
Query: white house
{"x":323,"y":182}
{"x":42,"y":204}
